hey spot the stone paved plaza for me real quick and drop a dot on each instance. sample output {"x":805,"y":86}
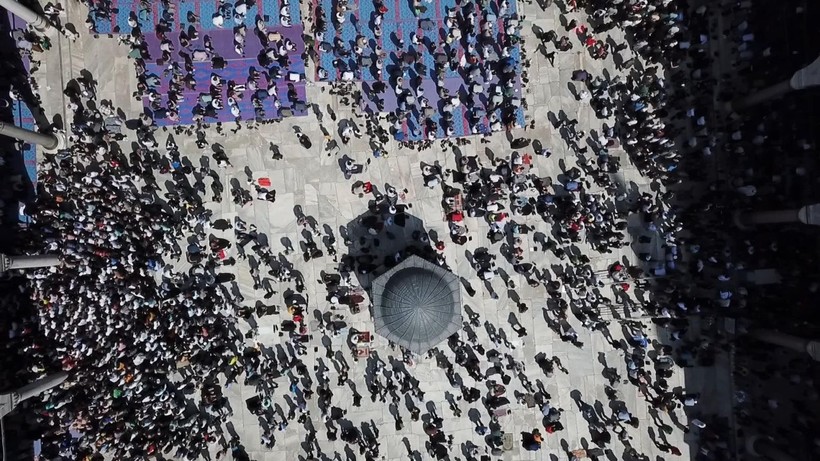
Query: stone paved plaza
{"x":313,"y":180}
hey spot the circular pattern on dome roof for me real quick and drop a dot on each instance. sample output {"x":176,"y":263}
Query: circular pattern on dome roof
{"x":417,"y":304}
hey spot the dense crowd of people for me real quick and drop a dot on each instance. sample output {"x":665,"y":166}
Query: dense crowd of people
{"x":181,"y":63}
{"x":150,"y":347}
{"x":475,"y":65}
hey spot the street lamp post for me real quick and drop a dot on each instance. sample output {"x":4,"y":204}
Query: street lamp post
{"x":797,"y":344}
{"x":809,"y":214}
{"x":23,"y":12}
{"x":27,"y":261}
{"x":806,"y":77}
{"x":49,"y":141}
{"x":9,"y":401}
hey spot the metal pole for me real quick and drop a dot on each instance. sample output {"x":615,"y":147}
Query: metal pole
{"x":806,"y":77}
{"x":21,"y":11}
{"x":49,"y":141}
{"x":809,"y":214}
{"x":41,"y":385}
{"x":27,"y":261}
{"x":3,"y":436}
{"x":35,"y":261}
{"x":805,"y":346}
{"x":772,"y":92}
{"x":768,"y":217}
{"x":10,"y":400}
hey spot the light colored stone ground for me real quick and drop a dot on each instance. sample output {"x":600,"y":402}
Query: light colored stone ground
{"x":312,"y":180}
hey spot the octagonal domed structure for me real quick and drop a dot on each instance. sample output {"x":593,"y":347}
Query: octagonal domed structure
{"x":417,"y":304}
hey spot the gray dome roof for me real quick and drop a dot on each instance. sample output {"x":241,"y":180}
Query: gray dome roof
{"x":417,"y":304}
